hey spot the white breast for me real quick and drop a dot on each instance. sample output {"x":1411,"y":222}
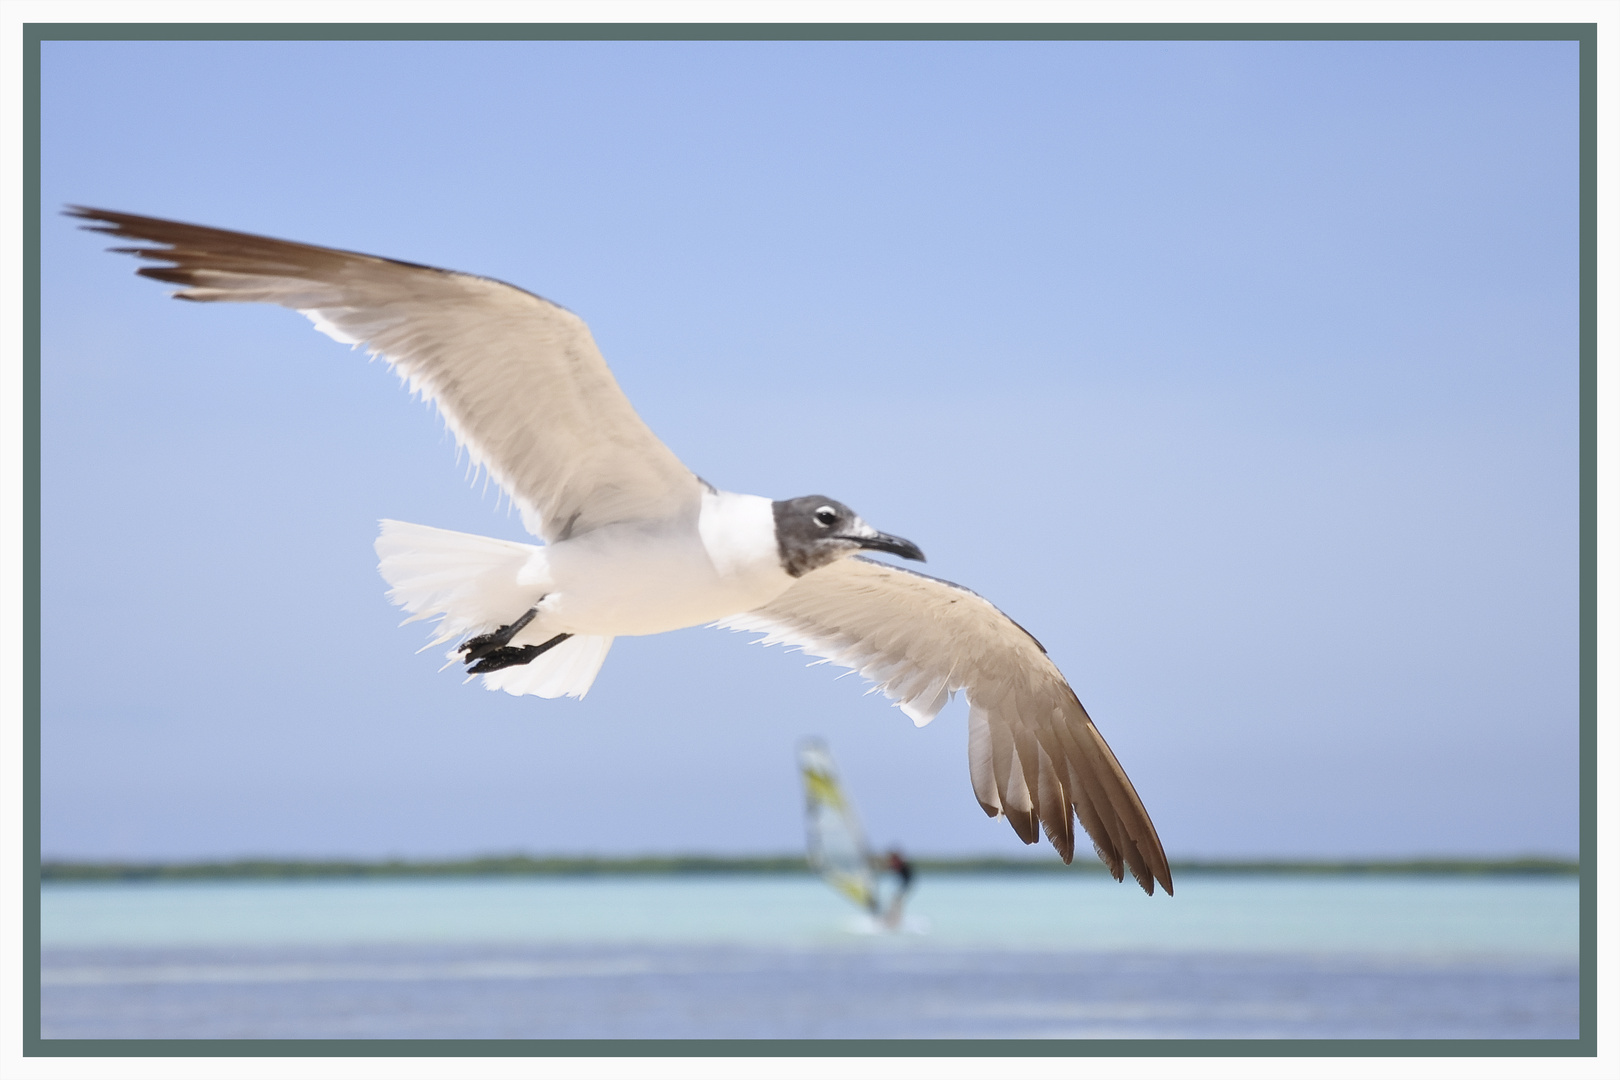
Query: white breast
{"x":739,"y":536}
{"x":739,"y":540}
{"x":649,"y":577}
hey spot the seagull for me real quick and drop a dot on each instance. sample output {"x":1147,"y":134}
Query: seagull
{"x":636,"y":543}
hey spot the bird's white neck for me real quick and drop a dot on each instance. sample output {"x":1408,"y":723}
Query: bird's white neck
{"x":739,"y":535}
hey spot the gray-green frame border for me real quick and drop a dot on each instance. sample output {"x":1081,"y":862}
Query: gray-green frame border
{"x":34,"y":34}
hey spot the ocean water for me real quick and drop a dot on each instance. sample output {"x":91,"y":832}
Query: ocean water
{"x":781,"y":956}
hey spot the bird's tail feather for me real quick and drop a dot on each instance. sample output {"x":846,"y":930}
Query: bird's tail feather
{"x":469,"y":583}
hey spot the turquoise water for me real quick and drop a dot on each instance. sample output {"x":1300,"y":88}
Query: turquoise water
{"x":782,"y":956}
{"x":1410,"y":916}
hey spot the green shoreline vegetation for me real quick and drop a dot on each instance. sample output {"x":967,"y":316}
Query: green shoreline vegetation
{"x":558,"y":866}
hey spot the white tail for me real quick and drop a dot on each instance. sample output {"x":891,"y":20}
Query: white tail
{"x":470,"y":584}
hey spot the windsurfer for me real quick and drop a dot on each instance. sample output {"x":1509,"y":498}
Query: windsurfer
{"x":900,"y":867}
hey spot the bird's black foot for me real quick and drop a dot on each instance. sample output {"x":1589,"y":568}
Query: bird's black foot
{"x":505,"y":656}
{"x":475,"y":649}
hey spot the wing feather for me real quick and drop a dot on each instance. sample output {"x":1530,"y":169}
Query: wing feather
{"x":518,"y":379}
{"x":981,"y":760}
{"x":1034,"y":755}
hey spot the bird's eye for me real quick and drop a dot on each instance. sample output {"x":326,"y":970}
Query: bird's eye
{"x":826,"y":516}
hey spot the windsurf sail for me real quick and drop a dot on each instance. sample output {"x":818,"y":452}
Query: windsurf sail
{"x":836,"y":847}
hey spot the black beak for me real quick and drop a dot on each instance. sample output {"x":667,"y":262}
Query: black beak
{"x":892,"y":544}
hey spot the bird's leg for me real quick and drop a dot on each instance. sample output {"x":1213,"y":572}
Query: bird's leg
{"x":481,"y":646}
{"x":511,"y":655}
{"x":494,"y":651}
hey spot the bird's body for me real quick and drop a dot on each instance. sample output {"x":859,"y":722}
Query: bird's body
{"x":635,"y":543}
{"x":647,"y":577}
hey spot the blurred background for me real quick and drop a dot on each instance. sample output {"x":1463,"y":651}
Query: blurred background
{"x":1243,"y":374}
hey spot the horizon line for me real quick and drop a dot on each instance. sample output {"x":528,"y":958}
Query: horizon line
{"x":68,"y":870}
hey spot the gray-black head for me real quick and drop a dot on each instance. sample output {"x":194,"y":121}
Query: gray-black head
{"x":814,"y":530}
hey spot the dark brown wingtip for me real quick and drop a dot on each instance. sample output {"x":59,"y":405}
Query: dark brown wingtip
{"x":203,"y":247}
{"x":130,"y":226}
{"x":1023,"y":823}
{"x":104,"y":221}
{"x":1116,"y":868}
{"x":169,"y":274}
{"x":1144,"y":874}
{"x":1061,"y":838}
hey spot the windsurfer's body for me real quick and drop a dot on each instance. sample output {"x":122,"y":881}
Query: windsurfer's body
{"x":898,"y":865}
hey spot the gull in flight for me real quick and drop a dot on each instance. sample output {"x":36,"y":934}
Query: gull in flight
{"x":635,"y":543}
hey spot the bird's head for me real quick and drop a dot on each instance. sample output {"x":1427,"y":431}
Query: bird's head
{"x":814,"y":530}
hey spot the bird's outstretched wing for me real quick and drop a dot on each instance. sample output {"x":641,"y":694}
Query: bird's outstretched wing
{"x":1032,"y":750}
{"x":518,"y":379}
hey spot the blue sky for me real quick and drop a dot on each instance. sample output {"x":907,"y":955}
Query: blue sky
{"x":1244,"y":375}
